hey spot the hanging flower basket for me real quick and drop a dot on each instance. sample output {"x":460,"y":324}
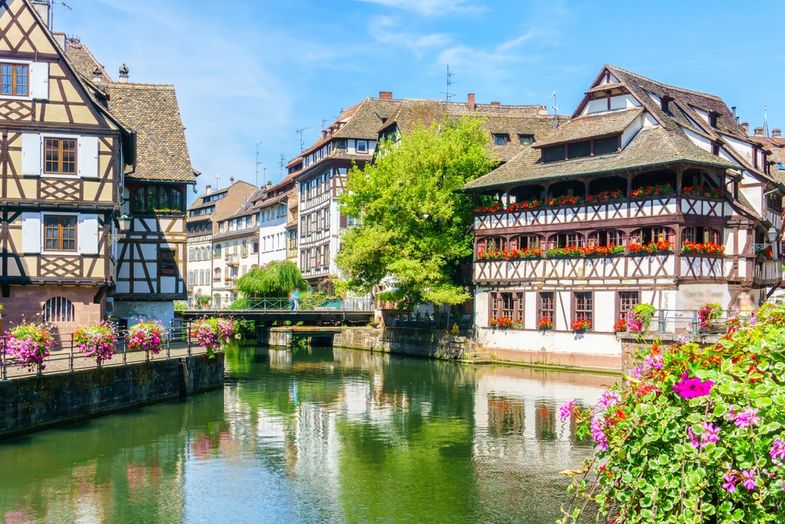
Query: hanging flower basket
{"x":213,"y":333}
{"x":146,"y":336}
{"x":98,"y":341}
{"x":29,"y":345}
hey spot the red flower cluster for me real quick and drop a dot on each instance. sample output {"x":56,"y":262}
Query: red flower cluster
{"x":580,"y":325}
{"x":620,"y":326}
{"x":590,"y":251}
{"x":513,"y":254}
{"x":698,"y":191}
{"x":659,"y":190}
{"x":500,"y":322}
{"x":489,"y":210}
{"x":605,"y":196}
{"x":565,"y":200}
{"x":524,"y":206}
{"x":704,"y":248}
{"x":545,"y":323}
{"x":661,"y":246}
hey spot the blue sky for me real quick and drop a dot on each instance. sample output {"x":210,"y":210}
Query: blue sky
{"x":250,"y":70}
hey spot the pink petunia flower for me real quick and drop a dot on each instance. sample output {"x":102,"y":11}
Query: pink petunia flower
{"x":689,"y":388}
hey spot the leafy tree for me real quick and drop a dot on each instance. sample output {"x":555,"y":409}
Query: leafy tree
{"x":413,"y":219}
{"x":276,"y":279}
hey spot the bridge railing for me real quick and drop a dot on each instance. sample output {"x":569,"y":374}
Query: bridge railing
{"x":284,"y":304}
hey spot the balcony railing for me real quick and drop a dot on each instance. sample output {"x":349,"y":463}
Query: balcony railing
{"x":625,"y":209}
{"x":231,"y":260}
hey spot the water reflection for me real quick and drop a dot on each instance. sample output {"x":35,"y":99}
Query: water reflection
{"x":314,"y":435}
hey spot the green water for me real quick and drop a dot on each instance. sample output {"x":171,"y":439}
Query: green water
{"x":314,"y":436}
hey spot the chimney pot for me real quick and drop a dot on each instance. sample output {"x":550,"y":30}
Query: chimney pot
{"x":386,"y":95}
{"x":208,"y":188}
{"x":746,"y":127}
{"x":496,"y":104}
{"x":776,"y":132}
{"x":42,"y":7}
{"x":124,"y":73}
{"x":758,"y":131}
{"x":472,"y":101}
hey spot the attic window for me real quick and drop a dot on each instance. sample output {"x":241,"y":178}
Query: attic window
{"x":526,"y":139}
{"x":362,"y":146}
{"x":715,"y":148}
{"x":713,"y":119}
{"x":501,"y":139}
{"x":665,"y":104}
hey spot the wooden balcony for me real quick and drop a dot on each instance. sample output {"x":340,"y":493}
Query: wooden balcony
{"x":628,"y":211}
{"x":768,"y":273}
{"x":660,"y":268}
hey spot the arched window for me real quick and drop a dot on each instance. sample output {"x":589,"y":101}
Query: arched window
{"x":217,"y":251}
{"x":217,"y":274}
{"x":58,"y":309}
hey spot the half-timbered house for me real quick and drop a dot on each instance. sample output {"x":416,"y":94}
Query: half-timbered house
{"x":61,"y":163}
{"x":650,"y":194}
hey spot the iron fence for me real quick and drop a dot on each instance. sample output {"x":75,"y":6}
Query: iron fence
{"x":689,"y":322}
{"x":66,"y":357}
{"x":285,"y":304}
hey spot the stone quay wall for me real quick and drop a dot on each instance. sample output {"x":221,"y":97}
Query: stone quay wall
{"x":34,"y":403}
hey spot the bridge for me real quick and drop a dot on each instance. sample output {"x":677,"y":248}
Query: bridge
{"x":270,"y":312}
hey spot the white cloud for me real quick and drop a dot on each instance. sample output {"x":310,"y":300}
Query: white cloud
{"x":431,"y":7}
{"x":385,"y":30}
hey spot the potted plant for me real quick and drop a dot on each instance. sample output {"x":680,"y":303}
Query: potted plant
{"x":580,"y":325}
{"x":620,"y":326}
{"x":98,"y":341}
{"x":545,"y":323}
{"x":147,"y":336}
{"x":29,"y":344}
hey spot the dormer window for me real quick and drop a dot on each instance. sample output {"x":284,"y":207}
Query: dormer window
{"x":715,"y":148}
{"x":584,"y":148}
{"x":341,"y":144}
{"x":15,"y":79}
{"x":501,"y":139}
{"x":362,"y":146}
{"x":713,"y":119}
{"x":665,"y":102}
{"x":526,"y":140}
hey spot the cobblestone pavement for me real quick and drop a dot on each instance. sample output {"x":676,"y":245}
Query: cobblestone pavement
{"x":60,"y":361}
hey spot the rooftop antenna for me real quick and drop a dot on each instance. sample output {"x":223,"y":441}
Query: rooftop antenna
{"x":300,"y":132}
{"x":555,"y":107}
{"x":765,"y":120}
{"x":217,"y":182}
{"x":448,"y":84}
{"x":258,"y":159}
{"x":52,"y":12}
{"x":282,"y":163}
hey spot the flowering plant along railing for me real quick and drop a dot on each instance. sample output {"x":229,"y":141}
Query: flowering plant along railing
{"x":526,"y":205}
{"x":545,"y":323}
{"x":98,"y":341}
{"x":710,"y":192}
{"x":146,"y":336}
{"x":588,"y":251}
{"x":656,"y":190}
{"x":213,"y":333}
{"x":765,"y":252}
{"x":489,"y":209}
{"x":708,"y":315}
{"x":565,"y":200}
{"x":501,"y":322}
{"x":604,"y":197}
{"x":652,"y":248}
{"x":620,"y":326}
{"x":581,"y":325}
{"x":29,"y":345}
{"x":702,"y":248}
{"x":513,"y":254}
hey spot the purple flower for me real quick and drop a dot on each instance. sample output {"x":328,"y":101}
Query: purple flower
{"x":693,"y":439}
{"x":597,"y":428}
{"x":777,"y":450}
{"x":692,"y":387}
{"x":609,"y":398}
{"x":566,"y":410}
{"x":654,"y":362}
{"x":748,"y":479}
{"x":730,"y":482}
{"x":745,"y":418}
{"x":710,"y":435}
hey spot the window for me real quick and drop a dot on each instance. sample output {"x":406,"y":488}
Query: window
{"x":713,"y":119}
{"x":362,"y":146}
{"x":584,"y":307}
{"x":217,"y":251}
{"x":507,"y":305}
{"x":579,"y":149}
{"x":700,"y":234}
{"x":566,"y":240}
{"x":341,"y":144}
{"x":15,"y":79}
{"x":58,"y":309}
{"x":547,"y":309}
{"x":161,"y":199}
{"x":217,"y":274}
{"x":166,"y":261}
{"x":59,"y":233}
{"x":526,"y":242}
{"x":627,"y":301}
{"x":553,"y":154}
{"x":610,"y":237}
{"x":501,"y":139}
{"x":526,"y":139}
{"x":606,"y":146}
{"x":60,"y":156}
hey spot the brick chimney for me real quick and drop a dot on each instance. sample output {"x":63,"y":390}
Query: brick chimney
{"x":758,"y":131}
{"x":471,"y":99}
{"x":496,"y":104}
{"x":42,"y":7}
{"x":386,"y":95}
{"x":746,"y":127}
{"x":776,"y":132}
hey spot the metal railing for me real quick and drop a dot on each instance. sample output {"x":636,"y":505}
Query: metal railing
{"x":66,"y":358}
{"x":284,"y":304}
{"x":688,"y":322}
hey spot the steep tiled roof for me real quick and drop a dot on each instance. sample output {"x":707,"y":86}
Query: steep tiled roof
{"x":650,"y":147}
{"x":594,"y":125}
{"x":368,"y":117}
{"x":153,"y":112}
{"x":83,"y":61}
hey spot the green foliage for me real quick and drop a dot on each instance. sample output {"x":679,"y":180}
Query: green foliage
{"x":644,"y":313}
{"x":276,"y":279}
{"x":180,"y":305}
{"x":240,"y":303}
{"x":714,"y":452}
{"x":245,"y":328}
{"x":414,"y":220}
{"x":310,"y":300}
{"x":203,"y":300}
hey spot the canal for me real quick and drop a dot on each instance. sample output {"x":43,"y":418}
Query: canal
{"x":314,"y":435}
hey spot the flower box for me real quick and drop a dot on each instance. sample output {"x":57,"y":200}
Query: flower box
{"x":581,"y":326}
{"x":653,"y":248}
{"x":653,"y":191}
{"x":702,"y":248}
{"x":500,"y":322}
{"x":545,"y":324}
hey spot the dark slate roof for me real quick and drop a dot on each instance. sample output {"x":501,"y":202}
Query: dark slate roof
{"x":153,"y":112}
{"x":593,"y":125}
{"x":650,"y":148}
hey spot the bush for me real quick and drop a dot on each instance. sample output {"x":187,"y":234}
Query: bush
{"x":276,"y":279}
{"x":695,"y":435}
